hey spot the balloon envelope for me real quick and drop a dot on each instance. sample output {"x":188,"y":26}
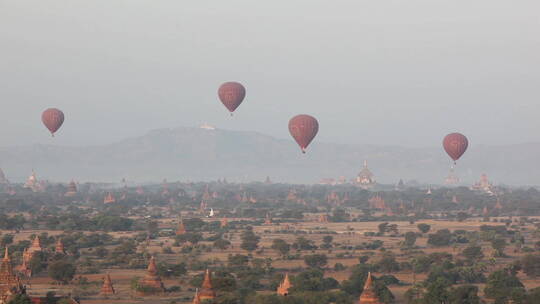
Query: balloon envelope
{"x":303,"y":129}
{"x":231,"y":95}
{"x":455,"y":144}
{"x":52,"y":119}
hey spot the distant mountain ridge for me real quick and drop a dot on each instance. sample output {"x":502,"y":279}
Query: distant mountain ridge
{"x":203,"y":154}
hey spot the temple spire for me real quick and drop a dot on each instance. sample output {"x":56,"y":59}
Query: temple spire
{"x":207,"y":291}
{"x":107,"y":288}
{"x":6,"y":254}
{"x":368,"y":295}
{"x":283,"y":288}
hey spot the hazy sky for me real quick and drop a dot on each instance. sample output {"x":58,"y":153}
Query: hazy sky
{"x":381,"y":72}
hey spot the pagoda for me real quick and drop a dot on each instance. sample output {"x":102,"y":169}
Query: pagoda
{"x":377,"y":202}
{"x":109,"y":199}
{"x":268,"y":220}
{"x":498,"y":205}
{"x":365,"y":178}
{"x":484,"y":185}
{"x":33,"y":184}
{"x":368,"y":295}
{"x":223,"y":222}
{"x":268,"y":181}
{"x":452,"y":178}
{"x":59,"y":248}
{"x":151,"y":283}
{"x":283,"y":288}
{"x":10,"y":284}
{"x":323,"y":218}
{"x":207,"y":292}
{"x":28,"y":254}
{"x":107,"y":288}
{"x":181,"y":228}
{"x":72,"y":190}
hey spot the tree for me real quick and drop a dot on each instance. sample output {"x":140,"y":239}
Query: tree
{"x":465,"y":294}
{"x":250,"y":241}
{"x":437,"y":291}
{"x":388,"y":263}
{"x":302,"y":243}
{"x":316,"y":260}
{"x":441,"y":238}
{"x":461,"y":216}
{"x":222,"y":244}
{"x":410,"y":239}
{"x":327,"y":241}
{"x":20,"y":299}
{"x":500,"y":285}
{"x":498,"y":245}
{"x":473,"y":253}
{"x":424,"y":228}
{"x":281,"y":246}
{"x":531,"y":265}
{"x":62,"y":271}
{"x":383,"y":227}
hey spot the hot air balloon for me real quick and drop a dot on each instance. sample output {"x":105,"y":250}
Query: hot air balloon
{"x":455,"y":144}
{"x":231,"y":95}
{"x":303,"y":129}
{"x":52,"y":119}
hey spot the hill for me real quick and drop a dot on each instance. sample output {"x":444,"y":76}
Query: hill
{"x":201,"y":154}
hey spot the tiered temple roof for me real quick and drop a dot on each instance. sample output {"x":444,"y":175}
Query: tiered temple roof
{"x":283,"y":288}
{"x":107,"y":288}
{"x":365,"y":178}
{"x":151,"y":279}
{"x":72,"y":189}
{"x":377,"y":202}
{"x":28,"y":254}
{"x":207,"y":292}
{"x":368,"y":295}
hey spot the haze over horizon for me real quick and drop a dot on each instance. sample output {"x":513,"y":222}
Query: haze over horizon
{"x":382,"y":73}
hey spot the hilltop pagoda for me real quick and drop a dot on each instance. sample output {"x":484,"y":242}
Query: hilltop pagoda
{"x":283,"y":288}
{"x":365,"y":178}
{"x":107,"y":289}
{"x":368,"y":295}
{"x":151,"y":283}
{"x":207,"y":292}
{"x":10,"y":284}
{"x":72,"y":189}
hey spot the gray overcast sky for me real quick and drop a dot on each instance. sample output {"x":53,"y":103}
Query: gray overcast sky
{"x":379,"y":72}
